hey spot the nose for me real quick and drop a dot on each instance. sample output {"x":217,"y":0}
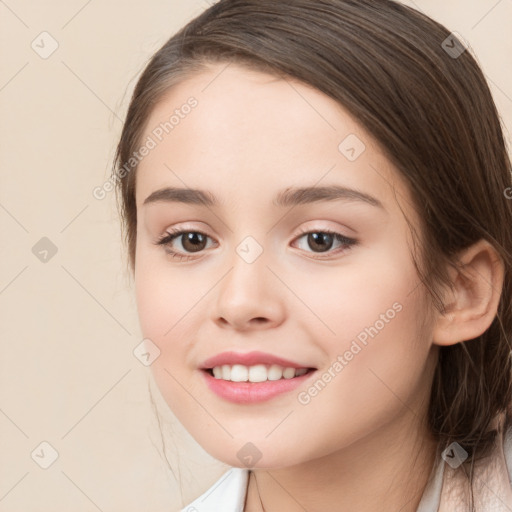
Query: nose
{"x":249,"y":297}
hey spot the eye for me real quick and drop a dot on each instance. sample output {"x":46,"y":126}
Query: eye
{"x":321,"y":241}
{"x":191,"y":242}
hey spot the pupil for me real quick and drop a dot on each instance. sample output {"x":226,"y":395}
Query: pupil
{"x":195,"y":239}
{"x":318,"y":240}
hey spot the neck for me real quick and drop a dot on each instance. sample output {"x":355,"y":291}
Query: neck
{"x":385,"y":472}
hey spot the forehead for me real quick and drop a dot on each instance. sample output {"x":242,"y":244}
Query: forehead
{"x":251,"y":133}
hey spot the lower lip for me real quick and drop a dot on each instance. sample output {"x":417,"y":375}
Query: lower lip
{"x":252,"y":392}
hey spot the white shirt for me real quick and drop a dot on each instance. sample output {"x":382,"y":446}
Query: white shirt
{"x":228,"y":493}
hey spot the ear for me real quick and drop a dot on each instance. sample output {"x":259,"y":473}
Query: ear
{"x":472,"y":303}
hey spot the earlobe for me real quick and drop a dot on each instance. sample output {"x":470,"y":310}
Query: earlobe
{"x":472,"y":302}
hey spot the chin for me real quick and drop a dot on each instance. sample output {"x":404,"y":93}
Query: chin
{"x":257,"y":454}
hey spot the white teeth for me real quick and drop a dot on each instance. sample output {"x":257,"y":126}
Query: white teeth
{"x":256,"y":373}
{"x":239,"y":373}
{"x":274,"y":372}
{"x":226,"y":372}
{"x":289,"y":373}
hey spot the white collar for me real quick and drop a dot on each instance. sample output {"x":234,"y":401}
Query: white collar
{"x":227,"y":494}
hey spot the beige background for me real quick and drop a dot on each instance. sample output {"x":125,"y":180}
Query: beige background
{"x":68,"y":375}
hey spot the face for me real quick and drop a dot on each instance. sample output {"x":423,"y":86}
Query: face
{"x":265,"y":277}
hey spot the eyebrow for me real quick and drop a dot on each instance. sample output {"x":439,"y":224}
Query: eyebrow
{"x":291,"y":196}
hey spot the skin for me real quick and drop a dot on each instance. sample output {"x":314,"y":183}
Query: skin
{"x":251,"y":136}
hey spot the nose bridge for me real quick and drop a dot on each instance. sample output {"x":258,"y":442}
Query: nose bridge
{"x":248,"y":275}
{"x":250,"y":250}
{"x":247,"y":291}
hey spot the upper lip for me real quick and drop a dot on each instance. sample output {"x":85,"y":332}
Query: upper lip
{"x":249,"y":359}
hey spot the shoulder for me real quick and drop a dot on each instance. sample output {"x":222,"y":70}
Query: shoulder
{"x":447,"y":489}
{"x":226,"y":494}
{"x":492,"y":483}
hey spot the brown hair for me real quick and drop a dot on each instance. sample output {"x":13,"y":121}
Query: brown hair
{"x":432,"y":113}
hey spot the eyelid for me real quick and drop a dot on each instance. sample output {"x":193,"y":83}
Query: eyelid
{"x":323,"y":229}
{"x":179,"y":229}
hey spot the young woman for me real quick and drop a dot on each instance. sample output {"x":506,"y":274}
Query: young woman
{"x":316,"y":197}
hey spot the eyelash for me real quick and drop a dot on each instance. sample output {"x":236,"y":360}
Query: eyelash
{"x":166,"y":239}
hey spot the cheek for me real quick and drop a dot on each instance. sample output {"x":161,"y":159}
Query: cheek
{"x":367,"y":384}
{"x":155,"y":302}
{"x":369,"y":290}
{"x":375,"y":344}
{"x":163,"y":296}
{"x":165,"y":309}
{"x":171,"y":310}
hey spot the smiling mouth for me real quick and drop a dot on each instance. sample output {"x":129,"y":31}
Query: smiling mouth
{"x":256,"y":373}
